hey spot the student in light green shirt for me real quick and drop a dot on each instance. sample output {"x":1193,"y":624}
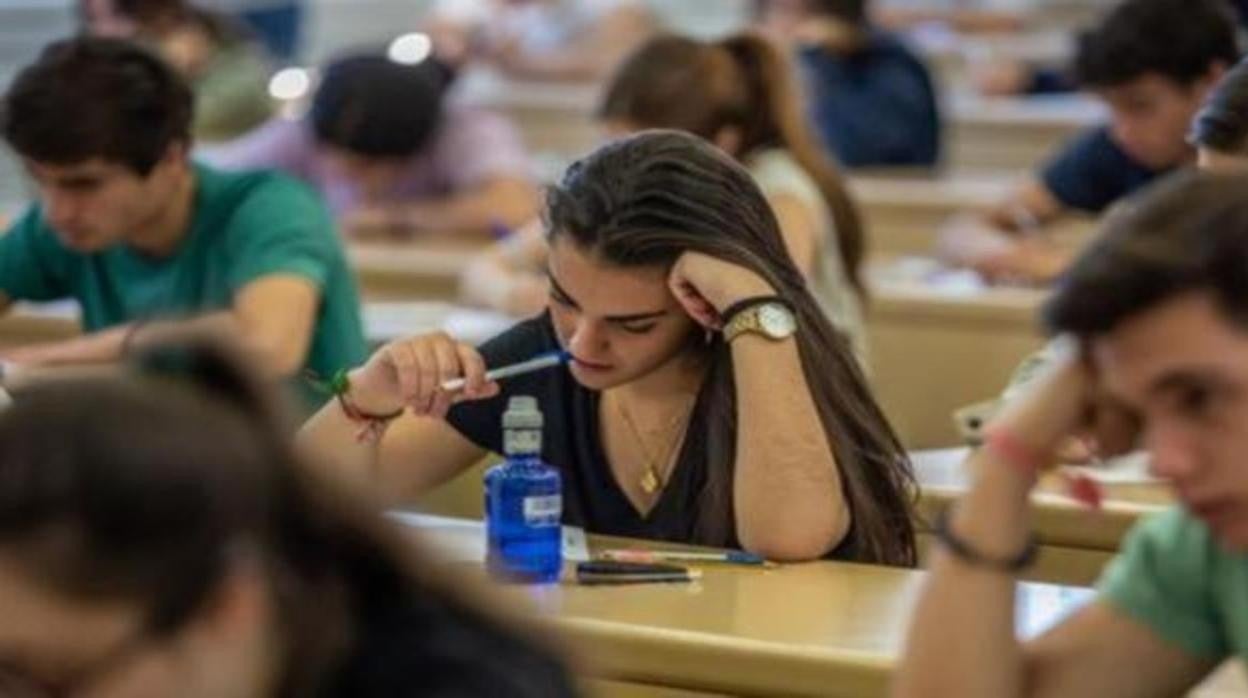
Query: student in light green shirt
{"x":144,"y":239}
{"x":1157,"y":311}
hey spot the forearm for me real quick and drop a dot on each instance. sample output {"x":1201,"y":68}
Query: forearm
{"x":100,"y":347}
{"x":1029,"y":208}
{"x":787,"y":490}
{"x":511,"y":203}
{"x":330,"y":438}
{"x":963,"y":640}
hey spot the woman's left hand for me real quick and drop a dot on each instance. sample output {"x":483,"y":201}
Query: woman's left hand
{"x":706,"y":286}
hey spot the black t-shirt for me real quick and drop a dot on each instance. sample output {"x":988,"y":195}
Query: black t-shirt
{"x":571,"y":441}
{"x":435,"y":650}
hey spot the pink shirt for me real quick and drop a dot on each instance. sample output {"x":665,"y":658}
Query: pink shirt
{"x":471,"y":146}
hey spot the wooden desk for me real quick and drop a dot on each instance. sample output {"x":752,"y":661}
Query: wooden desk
{"x":1014,"y":133}
{"x":815,"y":629}
{"x":905,"y":212}
{"x":413,"y":270}
{"x":28,"y":323}
{"x":554,"y":117}
{"x":936,"y":349}
{"x":1076,"y":542}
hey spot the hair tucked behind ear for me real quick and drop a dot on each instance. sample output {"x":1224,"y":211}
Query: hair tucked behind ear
{"x":648,"y":199}
{"x":740,"y":82}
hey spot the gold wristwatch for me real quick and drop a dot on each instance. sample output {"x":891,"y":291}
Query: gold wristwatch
{"x":770,"y":318}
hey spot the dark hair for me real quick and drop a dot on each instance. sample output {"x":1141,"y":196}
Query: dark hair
{"x":743,"y":82}
{"x":142,"y":489}
{"x":1186,"y":233}
{"x":852,"y":12}
{"x":373,"y":106}
{"x":157,"y":16}
{"x":148,"y":12}
{"x":93,"y":97}
{"x":645,"y":200}
{"x":1178,"y":39}
{"x":1222,"y":124}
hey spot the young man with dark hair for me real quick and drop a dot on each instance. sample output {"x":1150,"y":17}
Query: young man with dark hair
{"x":1152,"y":62}
{"x":391,"y":154}
{"x":137,"y":234}
{"x":1157,"y":314}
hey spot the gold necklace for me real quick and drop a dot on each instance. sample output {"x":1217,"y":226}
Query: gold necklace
{"x":652,"y":480}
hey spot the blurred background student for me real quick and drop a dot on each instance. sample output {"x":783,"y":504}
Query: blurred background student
{"x":540,"y":39}
{"x":158,"y":536}
{"x":225,"y":66}
{"x":1152,"y":62}
{"x":1220,"y":129}
{"x":392,"y":156}
{"x":278,"y":23}
{"x":872,"y":99}
{"x":739,"y":94}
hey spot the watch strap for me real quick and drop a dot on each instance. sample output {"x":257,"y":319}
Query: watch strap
{"x":746,"y":303}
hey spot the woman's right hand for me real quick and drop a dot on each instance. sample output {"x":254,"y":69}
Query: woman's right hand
{"x":408,"y":374}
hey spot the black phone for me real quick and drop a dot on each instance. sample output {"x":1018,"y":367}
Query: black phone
{"x":614,"y":572}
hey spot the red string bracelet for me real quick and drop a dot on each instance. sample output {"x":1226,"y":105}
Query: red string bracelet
{"x":371,"y":426}
{"x":1009,"y":448}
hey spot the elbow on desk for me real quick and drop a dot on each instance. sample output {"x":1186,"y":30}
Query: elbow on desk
{"x":796,"y":541}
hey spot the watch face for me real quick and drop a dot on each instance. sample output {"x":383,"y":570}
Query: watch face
{"x":776,"y":321}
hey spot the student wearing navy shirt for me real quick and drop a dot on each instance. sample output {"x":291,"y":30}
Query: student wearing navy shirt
{"x":871,"y":99}
{"x":1153,"y":63}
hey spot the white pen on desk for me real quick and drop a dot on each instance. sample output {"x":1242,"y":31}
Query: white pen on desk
{"x":537,"y":363}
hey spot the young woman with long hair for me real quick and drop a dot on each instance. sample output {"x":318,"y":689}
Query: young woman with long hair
{"x":741,"y":94}
{"x":709,"y":399}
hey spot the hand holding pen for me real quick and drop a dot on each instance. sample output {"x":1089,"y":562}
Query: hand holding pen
{"x":429,"y":374}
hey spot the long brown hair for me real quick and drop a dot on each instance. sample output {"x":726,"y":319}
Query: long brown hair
{"x":643,"y":202}
{"x":740,"y":82}
{"x":144,"y":488}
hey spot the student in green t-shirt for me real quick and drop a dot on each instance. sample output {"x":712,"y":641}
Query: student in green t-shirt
{"x":143,"y":238}
{"x":1159,"y":307}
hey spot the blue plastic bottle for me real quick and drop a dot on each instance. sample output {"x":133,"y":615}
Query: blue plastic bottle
{"x":523,"y":502}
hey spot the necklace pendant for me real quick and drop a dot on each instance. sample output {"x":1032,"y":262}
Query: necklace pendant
{"x":650,"y":482}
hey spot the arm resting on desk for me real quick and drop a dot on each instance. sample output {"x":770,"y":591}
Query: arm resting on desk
{"x":787,"y":490}
{"x":510,"y":201}
{"x":273,"y":316}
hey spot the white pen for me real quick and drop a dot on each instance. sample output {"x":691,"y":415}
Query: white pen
{"x":537,"y":363}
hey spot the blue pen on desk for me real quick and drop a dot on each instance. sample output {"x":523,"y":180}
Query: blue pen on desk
{"x":537,"y":363}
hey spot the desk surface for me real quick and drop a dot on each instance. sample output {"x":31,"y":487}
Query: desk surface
{"x":1059,"y":520}
{"x":420,"y":270}
{"x":820,"y":628}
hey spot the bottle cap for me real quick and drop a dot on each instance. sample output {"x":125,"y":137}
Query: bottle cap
{"x":522,"y":413}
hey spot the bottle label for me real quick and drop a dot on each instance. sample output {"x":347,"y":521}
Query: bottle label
{"x":522,"y":441}
{"x":543,"y":511}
